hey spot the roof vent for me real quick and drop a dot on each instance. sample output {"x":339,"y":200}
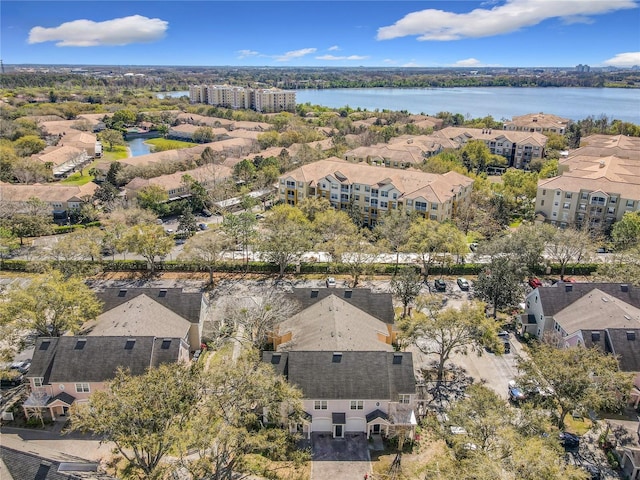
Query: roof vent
{"x":45,"y":345}
{"x":130,"y":343}
{"x":595,"y":336}
{"x":601,"y":163}
{"x":624,"y":287}
{"x":275,"y":358}
{"x":166,"y":343}
{"x":568,"y":287}
{"x":397,"y":358}
{"x":605,"y":299}
{"x":337,"y":357}
{"x":80,"y":344}
{"x":162,"y":293}
{"x":631,"y":335}
{"x":314,"y":293}
{"x":122,"y":293}
{"x":348,"y":293}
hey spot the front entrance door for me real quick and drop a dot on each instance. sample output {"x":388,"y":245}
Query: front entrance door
{"x":338,"y":431}
{"x":376,"y":429}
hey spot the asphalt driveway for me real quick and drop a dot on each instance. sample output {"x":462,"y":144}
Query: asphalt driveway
{"x":340,"y":458}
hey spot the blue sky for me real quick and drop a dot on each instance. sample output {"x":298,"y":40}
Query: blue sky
{"x":323,"y":33}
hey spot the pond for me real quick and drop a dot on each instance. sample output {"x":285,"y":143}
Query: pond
{"x":137,"y":147}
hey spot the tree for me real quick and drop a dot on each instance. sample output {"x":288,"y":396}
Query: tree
{"x":287,"y":236}
{"x":125,"y":117}
{"x":621,"y":268}
{"x":330,"y":226}
{"x":500,"y":283}
{"x":143,"y":415}
{"x":207,"y":249}
{"x":106,"y":193}
{"x":626,"y":232}
{"x":49,"y":305}
{"x":112,"y":138}
{"x":476,"y":156}
{"x":255,"y":320}
{"x":81,"y":244}
{"x":241,"y":229}
{"x":393,"y":228}
{"x":312,"y":206}
{"x":244,"y":170}
{"x":149,"y":241}
{"x":569,"y":245}
{"x":28,"y":145}
{"x":444,"y":332}
{"x":154,"y":198}
{"x":406,"y":285}
{"x":203,"y":135}
{"x":8,"y":244}
{"x":357,"y":254}
{"x":525,"y":246}
{"x":187,"y":223}
{"x":575,"y":378}
{"x":229,"y":424}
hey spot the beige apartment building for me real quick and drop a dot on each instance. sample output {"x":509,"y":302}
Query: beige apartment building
{"x":376,"y":190}
{"x":519,"y":148}
{"x":538,"y":122}
{"x":260,"y":99}
{"x":592,"y":189}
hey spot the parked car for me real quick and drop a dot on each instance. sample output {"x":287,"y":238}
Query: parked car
{"x":206,"y":213}
{"x":440,"y":285}
{"x":516,"y":394}
{"x":535,"y":282}
{"x":203,"y":226}
{"x":331,"y":282}
{"x":569,"y":441}
{"x":22,"y":366}
{"x":259,"y":216}
{"x":463,"y":283}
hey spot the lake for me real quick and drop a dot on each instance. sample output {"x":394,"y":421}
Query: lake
{"x":138,"y":147}
{"x":499,"y":102}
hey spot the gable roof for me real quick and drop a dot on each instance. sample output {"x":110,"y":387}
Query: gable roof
{"x":597,"y":310}
{"x":139,"y":316}
{"x":334,"y":324}
{"x":186,"y":304}
{"x":346,"y":375}
{"x":625,"y":343}
{"x":22,"y":465}
{"x":559,"y":296}
{"x":96,"y":359}
{"x":378,"y":305}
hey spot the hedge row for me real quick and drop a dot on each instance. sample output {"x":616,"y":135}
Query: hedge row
{"x":71,"y":228}
{"x":305,"y":268}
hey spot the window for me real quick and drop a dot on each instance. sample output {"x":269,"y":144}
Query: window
{"x":384,"y":204}
{"x":357,"y":405}
{"x":434,"y":206}
{"x":367,"y":188}
{"x":558,"y":192}
{"x":357,"y":197}
{"x":404,"y":398}
{"x":420,"y":205}
{"x":584,"y":196}
{"x":409,"y":202}
{"x":38,"y":381}
{"x":630,"y":203}
{"x":357,"y":187}
{"x":566,"y":205}
{"x":374,"y":192}
{"x":374,"y":201}
{"x":544,"y":192}
{"x":567,"y":195}
{"x":395,"y":196}
{"x":542,"y":203}
{"x":320,"y":405}
{"x":384,"y":193}
{"x":82,"y":388}
{"x":433,"y":217}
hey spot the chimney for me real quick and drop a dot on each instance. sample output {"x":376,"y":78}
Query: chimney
{"x":601,"y":163}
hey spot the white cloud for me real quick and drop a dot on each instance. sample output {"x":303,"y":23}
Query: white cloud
{"x":432,"y":24}
{"x":411,"y":64}
{"x":334,"y":57}
{"x":628,"y":59}
{"x":468,"y":62}
{"x":333,"y":48}
{"x":247,"y":53}
{"x":87,"y":33}
{"x":294,"y":54}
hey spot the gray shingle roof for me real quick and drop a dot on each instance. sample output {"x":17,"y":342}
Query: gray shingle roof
{"x":379,"y":305}
{"x":29,"y":466}
{"x":625,"y":343}
{"x":185,"y":304}
{"x":96,"y":359}
{"x":558,"y":297}
{"x":347,"y":375}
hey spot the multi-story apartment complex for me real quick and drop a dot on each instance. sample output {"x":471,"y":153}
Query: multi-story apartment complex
{"x":376,"y":190}
{"x":259,"y":99}
{"x":519,"y":148}
{"x":593,"y":188}
{"x":538,"y":122}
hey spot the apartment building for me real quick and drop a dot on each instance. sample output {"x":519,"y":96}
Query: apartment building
{"x":519,"y":148}
{"x":538,"y":122}
{"x":598,"y":190}
{"x":376,"y":190}
{"x":397,"y":155}
{"x":260,"y":99}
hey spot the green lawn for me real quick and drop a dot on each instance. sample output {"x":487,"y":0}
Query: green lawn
{"x":118,"y":153}
{"x":77,"y":179}
{"x":162,"y":144}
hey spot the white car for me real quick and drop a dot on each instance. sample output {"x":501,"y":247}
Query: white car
{"x":331,"y":282}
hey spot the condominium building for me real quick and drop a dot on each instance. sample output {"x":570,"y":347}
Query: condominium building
{"x":376,"y":190}
{"x":260,"y":99}
{"x":519,"y":148}
{"x":592,"y":188}
{"x":538,"y":122}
